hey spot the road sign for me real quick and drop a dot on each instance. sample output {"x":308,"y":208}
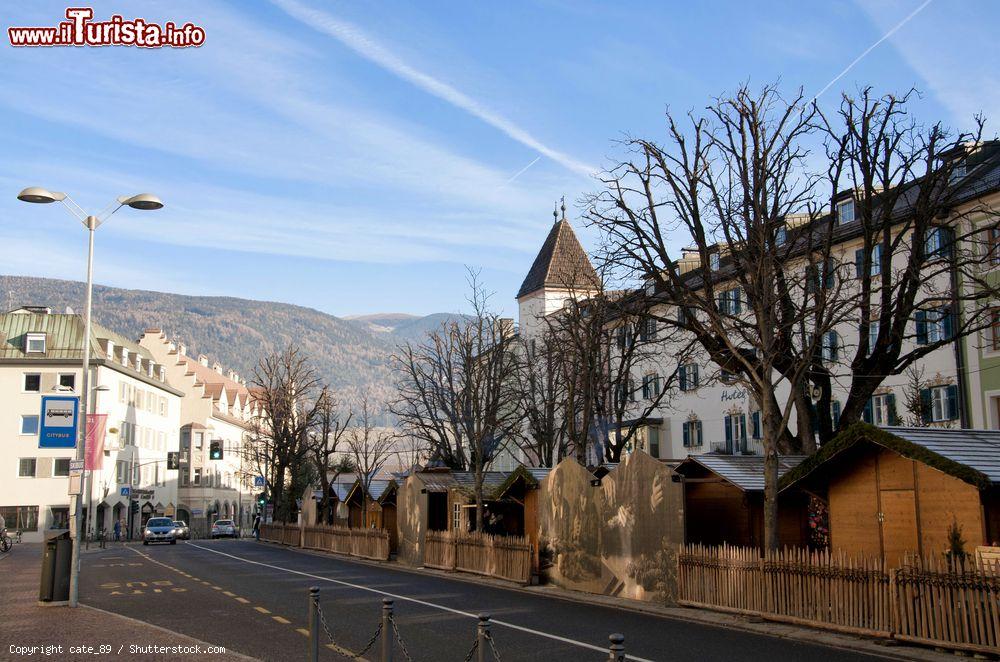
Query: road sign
{"x":76,"y":465}
{"x":75,"y":484}
{"x":197,"y":511}
{"x":58,"y":427}
{"x":125,"y":491}
{"x":258,"y":481}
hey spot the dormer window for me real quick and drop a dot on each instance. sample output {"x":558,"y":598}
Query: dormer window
{"x":34,"y":343}
{"x":780,"y":235}
{"x":124,"y":357}
{"x":958,"y":171}
{"x":714,"y":260}
{"x":845,"y":212}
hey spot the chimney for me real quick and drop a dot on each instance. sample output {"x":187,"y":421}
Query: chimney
{"x":202,"y":359}
{"x":217,"y":367}
{"x":182,"y":349}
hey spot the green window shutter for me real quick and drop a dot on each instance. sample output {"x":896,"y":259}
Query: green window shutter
{"x":695,"y":379}
{"x":697,"y":426}
{"x":948,"y":322}
{"x":835,"y":409}
{"x":687,"y":434}
{"x":921,"y":319}
{"x":893,"y":414}
{"x":926,"y":412}
{"x":952,"y":400}
{"x":737,"y":299}
{"x":859,"y":262}
{"x":729,"y":430}
{"x":755,"y":430}
{"x":868,"y":415}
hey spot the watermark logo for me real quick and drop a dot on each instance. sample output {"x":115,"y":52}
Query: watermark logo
{"x":81,"y":30}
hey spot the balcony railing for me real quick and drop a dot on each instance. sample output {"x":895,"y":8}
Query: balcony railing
{"x":738,"y":447}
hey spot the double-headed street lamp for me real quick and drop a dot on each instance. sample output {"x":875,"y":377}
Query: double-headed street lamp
{"x":143,"y":201}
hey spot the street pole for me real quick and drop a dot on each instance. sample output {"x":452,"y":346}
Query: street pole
{"x":81,"y":449}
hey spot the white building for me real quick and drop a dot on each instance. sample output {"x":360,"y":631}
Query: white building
{"x":711,"y":413}
{"x":216,"y":408}
{"x":41,"y":354}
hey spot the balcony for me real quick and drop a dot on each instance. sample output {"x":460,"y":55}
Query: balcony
{"x":737,"y":447}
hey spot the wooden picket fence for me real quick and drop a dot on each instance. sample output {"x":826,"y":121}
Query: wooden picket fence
{"x":363,"y":543}
{"x":927,"y":601}
{"x":507,"y":557}
{"x":283,"y":534}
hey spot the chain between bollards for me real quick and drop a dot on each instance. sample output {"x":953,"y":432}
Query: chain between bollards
{"x":313,"y":624}
{"x":386,"y":630}
{"x":617,"y":648}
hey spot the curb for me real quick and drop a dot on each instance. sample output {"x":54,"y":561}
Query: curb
{"x":136,"y":621}
{"x":767,"y":628}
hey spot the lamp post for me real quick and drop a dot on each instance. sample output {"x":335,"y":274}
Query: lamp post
{"x":143,"y":201}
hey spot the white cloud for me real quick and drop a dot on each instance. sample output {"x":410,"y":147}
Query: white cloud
{"x":354,"y":38}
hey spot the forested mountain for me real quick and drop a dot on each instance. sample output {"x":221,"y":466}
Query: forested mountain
{"x":350,"y":354}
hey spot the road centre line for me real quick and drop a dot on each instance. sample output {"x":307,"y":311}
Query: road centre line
{"x":418,"y":601}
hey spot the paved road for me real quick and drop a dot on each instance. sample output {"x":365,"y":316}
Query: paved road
{"x":251,"y":598}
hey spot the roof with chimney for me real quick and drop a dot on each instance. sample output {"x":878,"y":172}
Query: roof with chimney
{"x":561,"y":263}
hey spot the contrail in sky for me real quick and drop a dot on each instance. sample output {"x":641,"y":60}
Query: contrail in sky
{"x":355,"y":39}
{"x":872,"y":47}
{"x":522,"y":171}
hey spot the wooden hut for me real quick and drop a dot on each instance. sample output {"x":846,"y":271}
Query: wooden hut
{"x":893,"y":492}
{"x":724,"y":501}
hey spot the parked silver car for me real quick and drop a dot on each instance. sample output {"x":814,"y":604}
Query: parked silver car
{"x":224,"y":528}
{"x":159,"y":529}
{"x":181,"y":530}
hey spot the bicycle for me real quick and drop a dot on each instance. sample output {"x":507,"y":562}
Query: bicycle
{"x":6,"y":542}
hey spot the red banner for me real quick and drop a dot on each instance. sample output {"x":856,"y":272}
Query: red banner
{"x":96,"y":424}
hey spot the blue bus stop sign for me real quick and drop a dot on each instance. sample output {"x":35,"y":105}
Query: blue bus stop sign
{"x":59,"y":426}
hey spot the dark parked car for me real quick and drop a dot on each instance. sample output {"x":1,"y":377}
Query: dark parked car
{"x":181,"y":530}
{"x":159,"y":529}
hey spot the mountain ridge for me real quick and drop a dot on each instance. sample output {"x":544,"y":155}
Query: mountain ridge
{"x":350,"y":354}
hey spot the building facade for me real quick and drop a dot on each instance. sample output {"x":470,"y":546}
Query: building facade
{"x":41,"y":354}
{"x":216,"y":408}
{"x":958,"y":384}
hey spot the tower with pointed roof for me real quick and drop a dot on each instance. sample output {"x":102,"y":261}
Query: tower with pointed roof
{"x":561,"y":270}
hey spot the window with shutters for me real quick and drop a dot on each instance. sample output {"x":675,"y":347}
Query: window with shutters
{"x":835,"y":413}
{"x":650,"y":386}
{"x":780,"y":235}
{"x":995,"y":329}
{"x":880,"y":410}
{"x":934,"y":325}
{"x":941,"y":403}
{"x":756,"y":427}
{"x":653,"y":441}
{"x":821,"y":276}
{"x":730,"y":302}
{"x":714,"y":261}
{"x":874,"y":268}
{"x":688,"y":377}
{"x":736,"y":432}
{"x":938,"y":242}
{"x":830,"y":347}
{"x":692,"y":434}
{"x":993,"y":244}
{"x":647,"y":329}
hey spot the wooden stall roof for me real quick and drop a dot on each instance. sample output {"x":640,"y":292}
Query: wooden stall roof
{"x":375,"y":490}
{"x":745,"y":472}
{"x":969,"y":455}
{"x":531,"y":475}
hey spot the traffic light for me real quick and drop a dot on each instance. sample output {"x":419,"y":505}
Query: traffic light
{"x":262,"y":499}
{"x":173,"y":460}
{"x":215,"y":450}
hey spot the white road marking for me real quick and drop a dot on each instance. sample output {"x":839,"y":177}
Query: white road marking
{"x":432,"y":605}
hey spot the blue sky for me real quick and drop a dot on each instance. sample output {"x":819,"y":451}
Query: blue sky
{"x":355,"y":156}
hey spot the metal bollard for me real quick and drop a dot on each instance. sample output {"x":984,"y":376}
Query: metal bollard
{"x":386,"y":630}
{"x":482,"y":636}
{"x":617,"y":648}
{"x":313,"y":624}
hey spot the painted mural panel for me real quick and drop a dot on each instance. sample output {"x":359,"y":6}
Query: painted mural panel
{"x":412,"y":509}
{"x":617,"y":538}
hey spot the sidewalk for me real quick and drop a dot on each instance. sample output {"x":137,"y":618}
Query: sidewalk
{"x":27,"y":624}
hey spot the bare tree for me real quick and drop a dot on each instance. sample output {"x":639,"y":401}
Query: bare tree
{"x":371,"y":447}
{"x":456,"y":390}
{"x":926,"y":240}
{"x":284,"y":388}
{"x":324,"y":446}
{"x":728,"y":181}
{"x":541,"y":390}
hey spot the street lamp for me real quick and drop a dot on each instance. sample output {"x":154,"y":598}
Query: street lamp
{"x":143,"y":201}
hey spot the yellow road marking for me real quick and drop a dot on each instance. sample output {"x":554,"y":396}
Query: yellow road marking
{"x":283,"y":621}
{"x":243,"y":600}
{"x":262,"y":610}
{"x":304,"y":632}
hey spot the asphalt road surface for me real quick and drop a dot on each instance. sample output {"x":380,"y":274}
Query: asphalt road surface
{"x":252,"y":598}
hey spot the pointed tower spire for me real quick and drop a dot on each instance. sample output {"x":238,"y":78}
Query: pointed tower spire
{"x":563,"y":206}
{"x":555,"y":213}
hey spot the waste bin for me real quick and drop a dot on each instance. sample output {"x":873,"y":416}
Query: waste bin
{"x":57,"y":560}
